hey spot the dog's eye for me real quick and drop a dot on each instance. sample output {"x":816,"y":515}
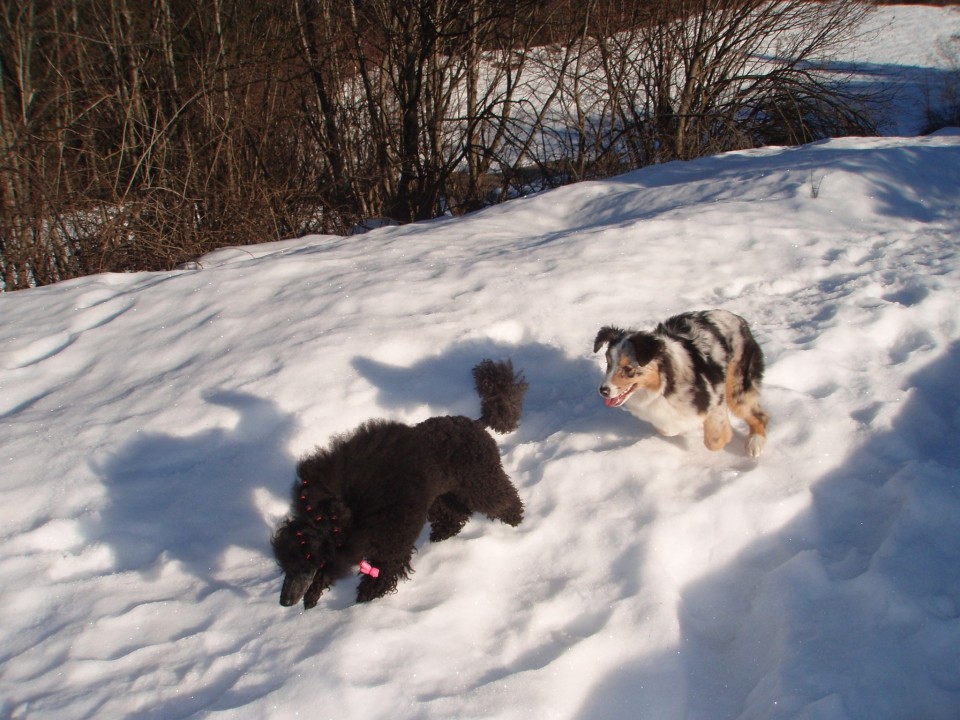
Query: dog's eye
{"x":629,"y":372}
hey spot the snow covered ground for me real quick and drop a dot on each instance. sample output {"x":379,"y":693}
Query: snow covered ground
{"x":150,"y":424}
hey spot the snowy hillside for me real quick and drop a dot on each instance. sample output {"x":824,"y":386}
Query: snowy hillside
{"x":151,"y":423}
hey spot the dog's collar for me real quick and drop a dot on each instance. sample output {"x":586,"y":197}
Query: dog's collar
{"x":368,"y":569}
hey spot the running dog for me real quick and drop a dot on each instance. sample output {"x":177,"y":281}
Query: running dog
{"x":688,"y":373}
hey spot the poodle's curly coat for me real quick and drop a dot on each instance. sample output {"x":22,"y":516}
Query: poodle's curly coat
{"x":366,"y":498}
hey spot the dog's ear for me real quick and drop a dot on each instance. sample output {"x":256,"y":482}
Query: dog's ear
{"x":293,"y":543}
{"x":646,"y":347}
{"x":608,"y":336}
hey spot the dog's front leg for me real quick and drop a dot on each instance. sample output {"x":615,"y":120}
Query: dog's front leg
{"x":390,"y":567}
{"x":390,"y":573}
{"x":312,"y":596}
{"x":716,"y":429}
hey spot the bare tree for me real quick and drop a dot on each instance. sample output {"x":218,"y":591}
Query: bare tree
{"x":137,"y":134}
{"x":715,"y":75}
{"x":142,"y":133}
{"x":943,"y":97}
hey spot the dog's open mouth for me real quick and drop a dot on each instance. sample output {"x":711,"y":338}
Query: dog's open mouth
{"x":619,"y":399}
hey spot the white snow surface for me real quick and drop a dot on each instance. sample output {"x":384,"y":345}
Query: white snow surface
{"x":151,"y":423}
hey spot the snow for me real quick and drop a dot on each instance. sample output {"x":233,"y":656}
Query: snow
{"x":151,"y":423}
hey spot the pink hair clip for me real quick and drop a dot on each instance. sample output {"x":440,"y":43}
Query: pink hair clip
{"x":368,"y":569}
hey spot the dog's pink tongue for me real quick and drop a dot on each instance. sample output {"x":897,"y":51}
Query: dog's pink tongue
{"x":613,"y":402}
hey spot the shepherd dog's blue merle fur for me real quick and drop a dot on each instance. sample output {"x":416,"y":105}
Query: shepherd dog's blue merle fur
{"x":688,"y":372}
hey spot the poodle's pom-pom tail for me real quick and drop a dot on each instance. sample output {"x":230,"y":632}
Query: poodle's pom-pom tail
{"x":501,"y":394}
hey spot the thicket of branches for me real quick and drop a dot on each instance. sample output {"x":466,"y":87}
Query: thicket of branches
{"x":137,"y":134}
{"x":943,"y":97}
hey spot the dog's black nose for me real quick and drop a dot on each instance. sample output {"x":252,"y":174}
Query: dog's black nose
{"x":605,"y":391}
{"x":294,"y":587}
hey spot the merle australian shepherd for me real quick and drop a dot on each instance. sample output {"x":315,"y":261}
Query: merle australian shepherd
{"x":688,"y":373}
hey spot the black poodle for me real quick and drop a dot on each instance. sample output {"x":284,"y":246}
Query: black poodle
{"x":360,"y":505}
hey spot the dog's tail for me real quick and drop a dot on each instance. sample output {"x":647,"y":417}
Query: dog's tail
{"x":501,"y":394}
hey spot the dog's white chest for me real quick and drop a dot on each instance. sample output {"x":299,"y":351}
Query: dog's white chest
{"x":657,"y":411}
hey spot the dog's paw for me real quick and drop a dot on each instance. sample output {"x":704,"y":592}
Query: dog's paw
{"x":511,"y":513}
{"x":372,"y":588}
{"x":755,"y":445}
{"x":440,"y":531}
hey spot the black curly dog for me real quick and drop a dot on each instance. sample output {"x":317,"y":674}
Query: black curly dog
{"x":361,"y":504}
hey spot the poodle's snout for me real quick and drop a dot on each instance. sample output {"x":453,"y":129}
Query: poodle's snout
{"x":294,"y":588}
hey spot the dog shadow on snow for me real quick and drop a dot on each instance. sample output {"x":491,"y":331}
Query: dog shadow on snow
{"x":562,"y":394}
{"x":192,"y":498}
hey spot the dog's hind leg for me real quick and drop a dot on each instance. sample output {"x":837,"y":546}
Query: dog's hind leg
{"x":755,"y":417}
{"x":510,"y":510}
{"x":495,"y":496}
{"x":745,"y":404}
{"x":744,"y":376}
{"x":447,"y":517}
